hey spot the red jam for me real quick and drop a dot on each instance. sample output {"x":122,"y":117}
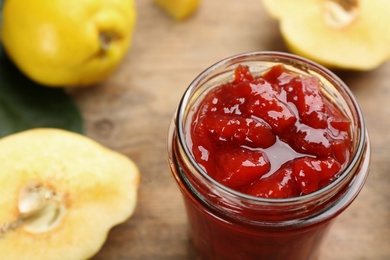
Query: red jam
{"x":275,"y":135}
{"x":279,"y":134}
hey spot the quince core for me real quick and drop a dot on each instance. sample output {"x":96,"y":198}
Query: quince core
{"x":61,"y":194}
{"x":346,"y":34}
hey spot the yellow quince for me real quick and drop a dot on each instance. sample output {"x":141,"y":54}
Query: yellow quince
{"x":347,"y":34}
{"x":63,"y":43}
{"x":61,"y":193}
{"x":178,"y":9}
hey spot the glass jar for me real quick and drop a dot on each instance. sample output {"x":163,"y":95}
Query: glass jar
{"x":226,"y":224}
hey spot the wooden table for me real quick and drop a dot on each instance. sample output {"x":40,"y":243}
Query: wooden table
{"x":130,"y":113}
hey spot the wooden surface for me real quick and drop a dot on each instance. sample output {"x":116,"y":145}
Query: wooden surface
{"x":130,"y":113}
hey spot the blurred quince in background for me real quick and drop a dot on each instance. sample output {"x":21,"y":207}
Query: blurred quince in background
{"x":344,"y":34}
{"x":65,"y":43}
{"x":178,"y":9}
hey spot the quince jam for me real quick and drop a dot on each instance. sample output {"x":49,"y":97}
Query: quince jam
{"x":274,"y":135}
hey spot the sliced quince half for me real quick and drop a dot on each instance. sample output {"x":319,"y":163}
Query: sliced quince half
{"x":347,"y":34}
{"x":60,"y":194}
{"x":178,"y":9}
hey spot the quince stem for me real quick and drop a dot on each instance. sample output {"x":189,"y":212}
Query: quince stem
{"x":105,"y":39}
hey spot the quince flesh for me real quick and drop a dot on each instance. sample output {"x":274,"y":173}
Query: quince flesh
{"x":66,"y":43}
{"x":347,"y":34}
{"x":178,"y":9}
{"x":60,"y":194}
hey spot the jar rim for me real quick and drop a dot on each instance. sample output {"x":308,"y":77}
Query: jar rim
{"x":303,"y":62}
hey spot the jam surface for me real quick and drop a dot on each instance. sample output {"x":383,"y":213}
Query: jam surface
{"x":275,"y":135}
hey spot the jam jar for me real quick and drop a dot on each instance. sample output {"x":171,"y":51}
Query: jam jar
{"x":233,"y":212}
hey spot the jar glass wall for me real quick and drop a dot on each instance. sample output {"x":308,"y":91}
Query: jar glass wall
{"x":227,"y":224}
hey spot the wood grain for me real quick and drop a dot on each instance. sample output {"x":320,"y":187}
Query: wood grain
{"x":130,"y":113}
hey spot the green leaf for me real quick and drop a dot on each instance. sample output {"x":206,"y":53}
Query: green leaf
{"x":25,"y":104}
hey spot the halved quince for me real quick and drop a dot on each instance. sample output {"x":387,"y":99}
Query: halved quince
{"x":60,"y":194}
{"x":178,"y":9}
{"x":348,"y":34}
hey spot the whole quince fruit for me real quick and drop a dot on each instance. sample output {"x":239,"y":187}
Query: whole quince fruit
{"x":346,"y":34}
{"x":63,"y":43}
{"x":61,"y":192}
